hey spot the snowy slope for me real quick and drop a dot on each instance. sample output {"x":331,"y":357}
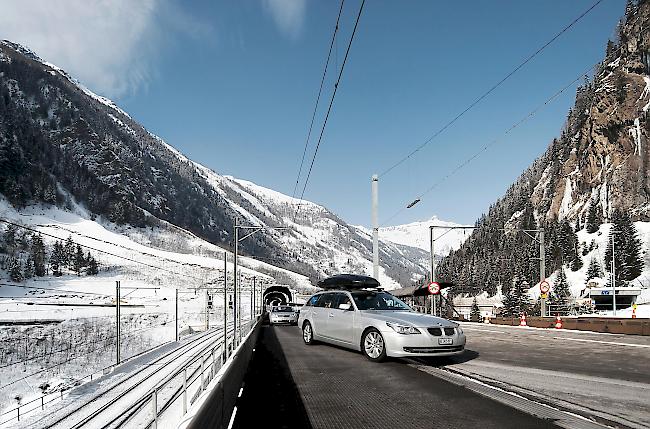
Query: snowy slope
{"x":141,"y":179}
{"x":416,"y":234}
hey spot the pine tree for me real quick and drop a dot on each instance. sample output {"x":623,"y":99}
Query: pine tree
{"x":593,"y":221}
{"x":475,"y":312}
{"x":509,"y":303}
{"x":57,"y":258}
{"x":68,"y":253}
{"x":78,"y":261}
{"x":93,"y":269}
{"x":15,"y":270}
{"x":627,"y":249}
{"x":28,"y":271}
{"x":594,"y":270}
{"x":38,"y":255}
{"x":9,"y":239}
{"x":561,"y":293}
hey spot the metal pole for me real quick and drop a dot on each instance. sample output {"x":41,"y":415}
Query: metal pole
{"x":207,"y":313}
{"x":613,"y":273}
{"x":154,"y":402}
{"x":225,"y":304}
{"x":234,"y":281}
{"x":433,"y":268}
{"x":253,"y":298}
{"x":177,"y":337}
{"x":542,"y":266}
{"x":239,"y":308}
{"x":375,"y":226}
{"x":184,"y":390}
{"x":117,"y":319}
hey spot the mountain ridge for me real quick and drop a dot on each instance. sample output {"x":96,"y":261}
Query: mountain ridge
{"x":56,"y":134}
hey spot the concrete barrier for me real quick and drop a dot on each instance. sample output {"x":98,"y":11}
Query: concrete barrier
{"x":613,"y":325}
{"x":216,"y":410}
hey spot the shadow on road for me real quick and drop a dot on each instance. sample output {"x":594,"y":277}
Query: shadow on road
{"x":270,"y":394}
{"x":467,"y":356}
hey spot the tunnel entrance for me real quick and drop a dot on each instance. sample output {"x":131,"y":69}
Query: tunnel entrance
{"x":277,"y":295}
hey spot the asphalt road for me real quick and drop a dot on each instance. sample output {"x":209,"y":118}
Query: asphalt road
{"x":604,"y":376}
{"x":294,"y":385}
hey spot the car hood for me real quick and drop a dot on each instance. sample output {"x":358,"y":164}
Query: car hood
{"x":419,"y":320}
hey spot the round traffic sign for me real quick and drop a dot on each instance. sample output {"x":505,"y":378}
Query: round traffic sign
{"x":544,"y":286}
{"x":434,"y":288}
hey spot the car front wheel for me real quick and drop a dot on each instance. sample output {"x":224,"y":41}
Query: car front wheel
{"x":307,"y":334}
{"x":373,"y":345}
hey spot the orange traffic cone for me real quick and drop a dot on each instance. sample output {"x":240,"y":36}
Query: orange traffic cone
{"x":522,"y":320}
{"x":558,"y":322}
{"x":634,"y":312}
{"x":486,"y":320}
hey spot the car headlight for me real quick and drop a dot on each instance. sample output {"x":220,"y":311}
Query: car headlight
{"x":458,"y":328}
{"x":403,"y":329}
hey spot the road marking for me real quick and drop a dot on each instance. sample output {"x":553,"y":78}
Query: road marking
{"x":645,"y":346}
{"x":561,"y":418}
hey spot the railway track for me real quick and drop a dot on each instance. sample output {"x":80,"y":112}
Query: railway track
{"x":109,"y":407}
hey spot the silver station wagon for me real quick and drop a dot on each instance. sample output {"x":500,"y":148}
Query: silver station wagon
{"x":355,"y":312}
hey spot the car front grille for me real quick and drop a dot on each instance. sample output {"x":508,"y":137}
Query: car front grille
{"x":436,"y":332}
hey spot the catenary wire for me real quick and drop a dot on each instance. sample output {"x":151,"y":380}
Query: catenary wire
{"x":493,"y":142}
{"x":489,"y":91}
{"x":329,"y":109}
{"x":320,"y":90}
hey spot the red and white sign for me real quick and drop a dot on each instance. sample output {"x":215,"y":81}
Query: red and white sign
{"x":434,"y":288}
{"x":544,"y":287}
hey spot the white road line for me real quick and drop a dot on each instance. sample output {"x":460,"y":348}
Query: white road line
{"x":645,"y":346}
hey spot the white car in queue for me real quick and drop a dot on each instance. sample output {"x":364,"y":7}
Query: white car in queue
{"x":283,"y":314}
{"x":354,"y":312}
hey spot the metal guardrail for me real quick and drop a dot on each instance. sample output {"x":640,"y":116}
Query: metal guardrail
{"x":183,"y":387}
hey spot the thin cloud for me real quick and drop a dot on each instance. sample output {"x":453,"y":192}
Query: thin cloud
{"x":288,"y":15}
{"x":109,"y":45}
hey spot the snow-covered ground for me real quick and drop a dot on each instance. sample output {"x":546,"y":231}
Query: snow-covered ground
{"x":67,"y":324}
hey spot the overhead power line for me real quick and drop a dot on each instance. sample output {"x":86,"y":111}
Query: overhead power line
{"x":329,"y":109}
{"x":320,"y":90}
{"x":491,"y":143}
{"x":489,"y":91}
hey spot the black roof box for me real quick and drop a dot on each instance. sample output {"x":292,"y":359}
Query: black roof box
{"x":348,"y":281}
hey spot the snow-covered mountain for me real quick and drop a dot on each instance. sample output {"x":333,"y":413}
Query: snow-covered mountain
{"x":61,"y":144}
{"x":599,"y":164}
{"x":416,"y":234}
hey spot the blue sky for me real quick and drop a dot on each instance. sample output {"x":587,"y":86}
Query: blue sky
{"x":232,"y":85}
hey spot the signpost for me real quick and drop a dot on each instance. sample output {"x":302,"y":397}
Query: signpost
{"x":544,"y":288}
{"x":434,"y":288}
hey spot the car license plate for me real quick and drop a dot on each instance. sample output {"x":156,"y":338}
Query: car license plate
{"x":445,"y":341}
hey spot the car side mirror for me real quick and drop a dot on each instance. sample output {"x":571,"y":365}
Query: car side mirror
{"x":345,"y":306}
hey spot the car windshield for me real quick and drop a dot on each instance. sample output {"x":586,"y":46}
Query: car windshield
{"x":369,"y":300}
{"x":283,"y":309}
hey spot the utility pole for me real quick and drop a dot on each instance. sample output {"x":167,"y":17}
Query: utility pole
{"x":542,"y":266}
{"x":207,"y":310}
{"x":433,"y":268}
{"x":375,"y":226}
{"x":117,"y":319}
{"x":613,"y":273}
{"x":225,"y":305}
{"x":253,"y":297}
{"x":234,"y":282}
{"x":177,"y":338}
